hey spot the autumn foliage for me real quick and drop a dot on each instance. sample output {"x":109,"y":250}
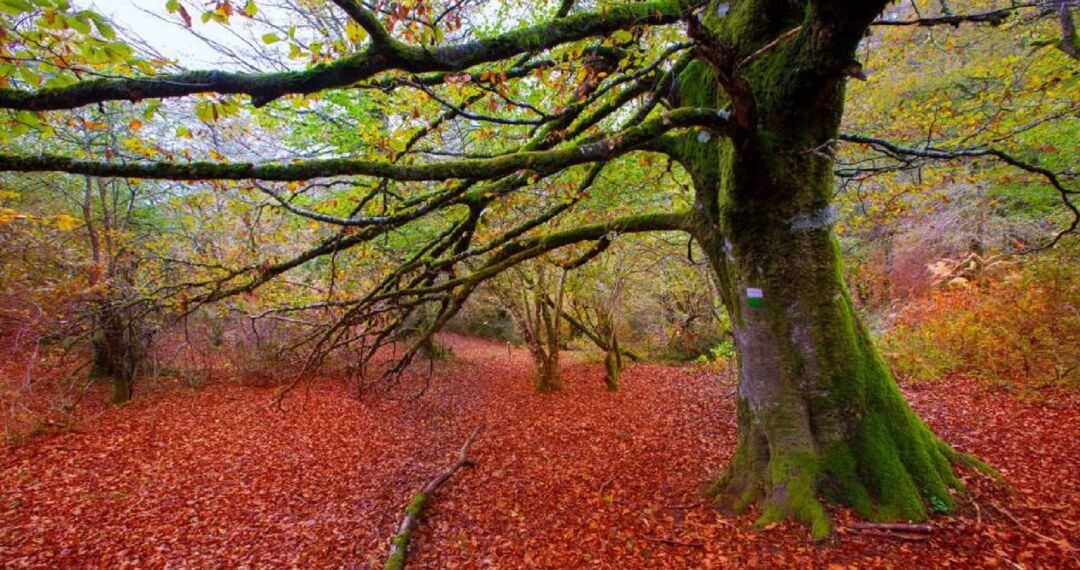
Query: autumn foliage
{"x":1016,"y":327}
{"x":666,"y":283}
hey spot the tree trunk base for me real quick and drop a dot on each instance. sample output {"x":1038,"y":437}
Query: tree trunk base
{"x":548,"y":380}
{"x":121,"y":390}
{"x":889,"y":467}
{"x":612,"y":370}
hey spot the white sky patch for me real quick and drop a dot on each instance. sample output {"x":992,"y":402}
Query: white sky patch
{"x":166,"y":34}
{"x":168,"y":39}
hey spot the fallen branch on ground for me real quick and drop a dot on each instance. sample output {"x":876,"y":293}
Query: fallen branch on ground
{"x":1060,"y":542}
{"x":399,"y":545}
{"x":889,"y":534}
{"x":673,"y":542}
{"x":900,"y":527}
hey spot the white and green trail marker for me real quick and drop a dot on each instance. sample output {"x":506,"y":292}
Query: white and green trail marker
{"x":755,"y":298}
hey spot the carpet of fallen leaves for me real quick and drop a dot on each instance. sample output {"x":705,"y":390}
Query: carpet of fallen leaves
{"x":218,"y":477}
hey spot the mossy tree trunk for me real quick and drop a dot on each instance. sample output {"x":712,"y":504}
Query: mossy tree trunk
{"x":117,"y":352}
{"x":538,"y":319}
{"x":819,"y":414}
{"x":607,"y":327}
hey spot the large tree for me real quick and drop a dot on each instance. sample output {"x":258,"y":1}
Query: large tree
{"x":745,"y":96}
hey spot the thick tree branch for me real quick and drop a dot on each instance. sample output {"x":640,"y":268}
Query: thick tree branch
{"x":385,"y":55}
{"x":474,"y":169}
{"x":994,"y":18}
{"x":366,"y":20}
{"x":399,"y":545}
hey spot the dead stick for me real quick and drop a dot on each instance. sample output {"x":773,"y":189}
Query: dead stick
{"x":673,"y":541}
{"x":1061,"y":543}
{"x":609,"y":480}
{"x":902,"y":527}
{"x":399,"y":545}
{"x":693,"y":505}
{"x":888,"y":534}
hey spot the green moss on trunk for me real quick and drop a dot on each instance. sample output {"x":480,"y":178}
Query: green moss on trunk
{"x":612,"y":369}
{"x":820,"y":417}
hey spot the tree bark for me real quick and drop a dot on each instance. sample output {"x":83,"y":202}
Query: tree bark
{"x":818,"y":411}
{"x":819,"y":414}
{"x":114,"y":355}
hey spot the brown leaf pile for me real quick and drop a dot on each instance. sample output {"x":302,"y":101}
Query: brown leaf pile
{"x":584,"y":478}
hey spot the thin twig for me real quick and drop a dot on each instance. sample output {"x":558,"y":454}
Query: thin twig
{"x":673,"y":542}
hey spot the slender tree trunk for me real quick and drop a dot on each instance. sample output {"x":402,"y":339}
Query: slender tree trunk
{"x":548,"y":377}
{"x":612,"y":369}
{"x":613,"y":363}
{"x":116,"y":354}
{"x":538,"y":319}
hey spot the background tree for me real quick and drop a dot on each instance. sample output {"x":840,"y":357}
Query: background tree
{"x":596,"y":306}
{"x":533,"y":294}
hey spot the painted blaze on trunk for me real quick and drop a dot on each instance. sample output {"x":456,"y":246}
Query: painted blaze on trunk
{"x":819,"y":414}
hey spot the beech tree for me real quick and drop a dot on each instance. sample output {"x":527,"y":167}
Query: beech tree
{"x":534,"y":294}
{"x":744,"y":96}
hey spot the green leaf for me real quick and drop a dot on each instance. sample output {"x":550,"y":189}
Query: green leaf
{"x":60,"y":81}
{"x":270,"y":38}
{"x":105,"y":30}
{"x":205,"y":111}
{"x":81,"y":25}
{"x":250,"y":9}
{"x":15,"y":7}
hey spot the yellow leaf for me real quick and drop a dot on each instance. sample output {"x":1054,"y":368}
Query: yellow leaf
{"x":65,"y":222}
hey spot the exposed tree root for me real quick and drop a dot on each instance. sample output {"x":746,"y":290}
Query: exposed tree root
{"x":889,"y":468}
{"x":399,"y":544}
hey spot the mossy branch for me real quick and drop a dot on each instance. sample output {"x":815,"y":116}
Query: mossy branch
{"x":383,"y":54}
{"x":473,"y":169}
{"x":399,"y":544}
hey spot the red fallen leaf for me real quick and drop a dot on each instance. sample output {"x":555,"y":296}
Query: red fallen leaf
{"x":217,"y":477}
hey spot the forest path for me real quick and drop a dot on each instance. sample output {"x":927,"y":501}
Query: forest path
{"x":583,"y":478}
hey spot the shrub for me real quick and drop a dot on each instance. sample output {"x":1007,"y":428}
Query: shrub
{"x":1019,"y":330}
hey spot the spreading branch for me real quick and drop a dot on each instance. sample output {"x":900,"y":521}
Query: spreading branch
{"x":993,"y":17}
{"x":384,"y":53}
{"x":908,"y":155}
{"x":474,"y":169}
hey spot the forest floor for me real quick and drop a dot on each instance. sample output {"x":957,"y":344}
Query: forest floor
{"x":218,"y":477}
